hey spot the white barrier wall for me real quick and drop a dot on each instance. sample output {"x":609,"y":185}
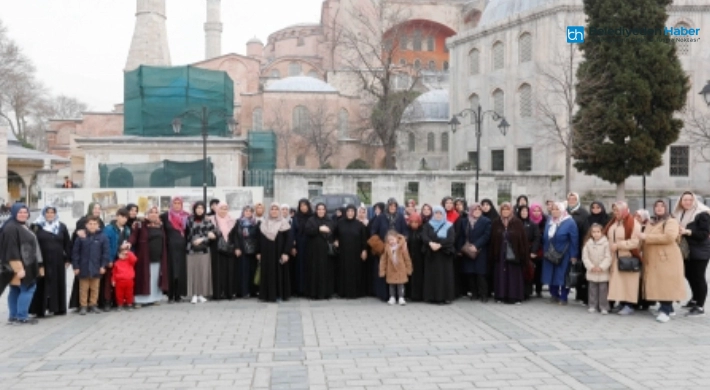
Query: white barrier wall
{"x":72,"y":204}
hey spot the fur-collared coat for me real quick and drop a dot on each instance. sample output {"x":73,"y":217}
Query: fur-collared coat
{"x":396,"y":274}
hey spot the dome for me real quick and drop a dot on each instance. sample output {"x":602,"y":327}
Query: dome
{"x":255,"y":40}
{"x":500,"y":10}
{"x":300,"y":84}
{"x":432,"y":106}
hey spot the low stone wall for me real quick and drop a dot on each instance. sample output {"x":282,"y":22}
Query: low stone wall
{"x":292,"y":185}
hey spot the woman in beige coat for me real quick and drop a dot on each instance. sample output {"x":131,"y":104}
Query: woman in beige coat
{"x":623,"y":235}
{"x":663,"y":278}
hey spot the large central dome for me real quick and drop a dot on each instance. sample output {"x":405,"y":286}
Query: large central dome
{"x":500,"y":10}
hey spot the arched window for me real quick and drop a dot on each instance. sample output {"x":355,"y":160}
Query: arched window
{"x":257,"y":120}
{"x":525,"y":48}
{"x":682,"y":48}
{"x":343,"y":118}
{"x":417,"y":64}
{"x":120,"y":178}
{"x":525,"y":100}
{"x":411,"y":142}
{"x":430,"y":142}
{"x":301,"y":41}
{"x":314,"y":74}
{"x":446,"y":66}
{"x":417,"y":42}
{"x":294,"y":69}
{"x":473,"y":103}
{"x":444,"y":142}
{"x":432,"y":65}
{"x":474,"y":62}
{"x":275,"y":74}
{"x":499,"y":102}
{"x":162,"y":178}
{"x":403,"y":42}
{"x":430,"y":43}
{"x":498,"y":55}
{"x":300,"y":120}
{"x":403,"y":62}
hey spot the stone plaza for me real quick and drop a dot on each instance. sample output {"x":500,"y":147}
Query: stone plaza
{"x":355,"y":344}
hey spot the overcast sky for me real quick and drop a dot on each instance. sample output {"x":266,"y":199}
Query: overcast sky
{"x":80,"y":46}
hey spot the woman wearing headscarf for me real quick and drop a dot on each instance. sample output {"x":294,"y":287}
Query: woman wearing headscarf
{"x":274,"y":243}
{"x":286,"y":213}
{"x":244,"y":236}
{"x":213,"y":207}
{"x":597,"y":214}
{"x":561,"y":236}
{"x":475,"y":229}
{"x":427,"y":213}
{"x":623,"y":234}
{"x":149,"y":242}
{"x":319,"y":229}
{"x":259,"y":212}
{"x":489,"y":210}
{"x":362,"y":215}
{"x":663,"y":268}
{"x":132,"y":215}
{"x":538,"y":217}
{"x":415,"y":245}
{"x":225,"y":273}
{"x":19,"y":250}
{"x":201,"y":233}
{"x":389,"y":219}
{"x":94,"y":209}
{"x":351,"y":237}
{"x":55,"y":245}
{"x":299,"y":264}
{"x":510,"y":252}
{"x":580,"y":215}
{"x":450,"y":208}
{"x":175,"y":223}
{"x":439,"y":239}
{"x":532,"y":232}
{"x":694,"y":220}
{"x":521,"y":201}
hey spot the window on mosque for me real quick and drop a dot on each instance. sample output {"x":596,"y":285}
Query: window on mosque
{"x":498,"y":55}
{"x":411,"y":191}
{"x":683,"y":48}
{"x":300,"y":120}
{"x":499,"y":102}
{"x":301,"y":41}
{"x":526,"y":101}
{"x":525,"y":48}
{"x":430,"y":142}
{"x":458,"y":190}
{"x":432,"y":65}
{"x":430,"y":43}
{"x":343,"y":118}
{"x":497,"y":160}
{"x":445,"y":142}
{"x":474,"y":61}
{"x":417,"y":41}
{"x":680,"y":161}
{"x":473,"y":105}
{"x":411,"y":142}
{"x":525,"y":159}
{"x":294,"y":69}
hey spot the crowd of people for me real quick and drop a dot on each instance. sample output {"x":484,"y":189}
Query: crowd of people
{"x":616,"y":263}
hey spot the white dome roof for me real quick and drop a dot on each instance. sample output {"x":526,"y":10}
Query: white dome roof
{"x":500,"y":10}
{"x":432,"y":106}
{"x":300,"y":84}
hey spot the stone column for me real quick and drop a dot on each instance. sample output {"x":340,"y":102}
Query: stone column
{"x":213,"y":30}
{"x":150,"y":36}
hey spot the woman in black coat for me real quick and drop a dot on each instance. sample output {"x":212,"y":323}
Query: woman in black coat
{"x":299,"y":253}
{"x":532,"y":232}
{"x":415,"y":246}
{"x":56,"y":248}
{"x":175,"y":225}
{"x":274,"y":243}
{"x":439,"y":239}
{"x":351,"y":237}
{"x":319,"y":230}
{"x":477,"y":230}
{"x":244,"y":237}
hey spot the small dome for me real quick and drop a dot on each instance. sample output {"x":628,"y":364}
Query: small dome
{"x":300,"y":84}
{"x":501,"y":10}
{"x":255,"y":40}
{"x":432,"y":106}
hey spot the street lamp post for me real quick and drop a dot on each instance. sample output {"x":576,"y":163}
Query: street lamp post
{"x":478,"y":115}
{"x":203,"y":115}
{"x":706,"y":93}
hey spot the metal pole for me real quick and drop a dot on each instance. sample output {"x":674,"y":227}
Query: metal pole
{"x":478,"y":146}
{"x":644,"y":191}
{"x":204,"y":156}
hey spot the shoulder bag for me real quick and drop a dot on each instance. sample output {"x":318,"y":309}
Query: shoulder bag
{"x":510,"y":254}
{"x":627,"y":264}
{"x":468,"y":249}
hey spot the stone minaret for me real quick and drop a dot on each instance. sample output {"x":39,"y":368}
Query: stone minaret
{"x":213,"y":30}
{"x":150,"y":36}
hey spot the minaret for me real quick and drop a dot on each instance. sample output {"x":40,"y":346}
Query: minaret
{"x":150,"y":36}
{"x":213,"y":30}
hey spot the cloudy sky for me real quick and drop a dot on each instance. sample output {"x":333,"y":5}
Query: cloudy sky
{"x":80,"y":46}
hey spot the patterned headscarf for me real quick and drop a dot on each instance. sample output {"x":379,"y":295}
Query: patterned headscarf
{"x":51,"y":227}
{"x":178,"y":219}
{"x":271,"y":227}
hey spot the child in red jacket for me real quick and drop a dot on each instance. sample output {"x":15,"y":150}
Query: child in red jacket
{"x":123,"y":277}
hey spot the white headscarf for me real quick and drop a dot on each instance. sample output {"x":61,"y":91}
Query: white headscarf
{"x":685,"y":217}
{"x":51,"y":227}
{"x":554,"y":223}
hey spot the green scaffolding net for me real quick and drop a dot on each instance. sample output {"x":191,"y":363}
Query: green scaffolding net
{"x":154,"y":96}
{"x":161,"y":174}
{"x":262,"y":161}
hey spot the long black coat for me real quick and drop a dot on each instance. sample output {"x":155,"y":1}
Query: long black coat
{"x":321,"y":284}
{"x":177,"y":256}
{"x":415,"y":245}
{"x":439,"y":283}
{"x":479,"y":236}
{"x":51,"y":293}
{"x":352,"y":239}
{"x":275,"y":282}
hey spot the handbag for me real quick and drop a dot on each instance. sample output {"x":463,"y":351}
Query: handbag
{"x":553,"y":256}
{"x":7,"y":273}
{"x":510,"y":254}
{"x":627,"y":264}
{"x":249,"y":246}
{"x":574,"y":276}
{"x":224,"y":247}
{"x":684,"y":247}
{"x":377,"y":247}
{"x":332,"y":249}
{"x":468,"y":249}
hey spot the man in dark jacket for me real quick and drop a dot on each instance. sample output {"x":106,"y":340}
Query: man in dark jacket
{"x":90,"y":257}
{"x":580,"y":216}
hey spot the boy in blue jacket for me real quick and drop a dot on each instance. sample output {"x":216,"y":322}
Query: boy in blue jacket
{"x":90,"y":256}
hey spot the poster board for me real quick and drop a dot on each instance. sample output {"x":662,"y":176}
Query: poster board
{"x":72,"y":204}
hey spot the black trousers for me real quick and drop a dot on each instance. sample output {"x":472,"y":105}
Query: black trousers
{"x":695,"y":274}
{"x":477,"y":285}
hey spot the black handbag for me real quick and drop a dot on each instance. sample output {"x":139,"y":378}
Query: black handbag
{"x":510,"y":254}
{"x":575,"y":274}
{"x":627,"y":264}
{"x":224,"y":247}
{"x":249,"y":246}
{"x":332,"y":249}
{"x":553,"y":256}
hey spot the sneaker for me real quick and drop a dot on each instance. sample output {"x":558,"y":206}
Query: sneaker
{"x":201,"y":299}
{"x":663,"y":318}
{"x":391,"y":301}
{"x":627,"y":310}
{"x":82,"y":311}
{"x":690,"y":305}
{"x":194,"y":299}
{"x":402,"y":302}
{"x":95,"y":310}
{"x":130,"y":307}
{"x":696,"y":312}
{"x":28,"y":321}
{"x":107,"y":308}
{"x":120,"y":308}
{"x":592,"y":310}
{"x":554,"y":301}
{"x":11,"y":321}
{"x":563,"y":303}
{"x":604,"y":312}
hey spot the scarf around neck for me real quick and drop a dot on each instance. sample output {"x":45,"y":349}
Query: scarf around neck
{"x":51,"y":227}
{"x":178,"y":219}
{"x":441,"y":227}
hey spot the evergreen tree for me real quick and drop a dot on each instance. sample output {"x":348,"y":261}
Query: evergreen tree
{"x":628,"y":90}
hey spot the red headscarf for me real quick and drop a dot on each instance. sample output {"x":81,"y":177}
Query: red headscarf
{"x":178,"y":219}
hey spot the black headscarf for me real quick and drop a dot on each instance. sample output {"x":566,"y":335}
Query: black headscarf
{"x":345,"y":213}
{"x":519,"y":211}
{"x":601,"y":218}
{"x":517,"y":203}
{"x":198,"y":218}
{"x":209,"y":211}
{"x":130,"y":221}
{"x":379,"y":205}
{"x":492,"y":214}
{"x":301,"y":217}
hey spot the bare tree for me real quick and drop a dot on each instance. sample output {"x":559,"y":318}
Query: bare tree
{"x":321,"y":132}
{"x":369,"y":48}
{"x":697,"y":129}
{"x":280,"y":123}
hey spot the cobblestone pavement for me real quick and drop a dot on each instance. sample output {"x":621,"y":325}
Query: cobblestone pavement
{"x":362,"y":344}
